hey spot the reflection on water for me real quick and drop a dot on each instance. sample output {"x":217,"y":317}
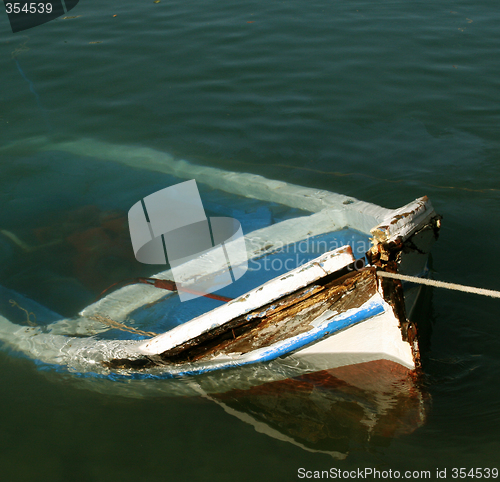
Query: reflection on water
{"x":357,"y":407}
{"x":333,"y":411}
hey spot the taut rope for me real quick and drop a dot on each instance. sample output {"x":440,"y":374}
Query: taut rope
{"x":440,"y":284}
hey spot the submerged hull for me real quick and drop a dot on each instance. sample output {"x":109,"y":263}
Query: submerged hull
{"x":324,"y":314}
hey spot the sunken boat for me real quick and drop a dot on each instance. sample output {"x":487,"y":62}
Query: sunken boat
{"x":309,"y":301}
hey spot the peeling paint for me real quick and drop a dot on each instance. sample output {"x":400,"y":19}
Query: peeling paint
{"x":283,"y":319}
{"x":389,"y":256}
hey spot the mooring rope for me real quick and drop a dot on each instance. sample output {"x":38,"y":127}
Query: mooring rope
{"x":106,"y":320}
{"x":28,"y":313}
{"x":440,"y":284}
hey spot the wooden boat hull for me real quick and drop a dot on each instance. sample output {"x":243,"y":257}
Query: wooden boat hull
{"x":376,"y":329}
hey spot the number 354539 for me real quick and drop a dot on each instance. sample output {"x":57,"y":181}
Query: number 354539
{"x":28,"y":7}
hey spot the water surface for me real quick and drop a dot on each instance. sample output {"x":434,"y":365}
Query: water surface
{"x":383,"y":101}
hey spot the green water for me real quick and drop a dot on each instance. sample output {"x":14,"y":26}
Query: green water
{"x":384,"y":101}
